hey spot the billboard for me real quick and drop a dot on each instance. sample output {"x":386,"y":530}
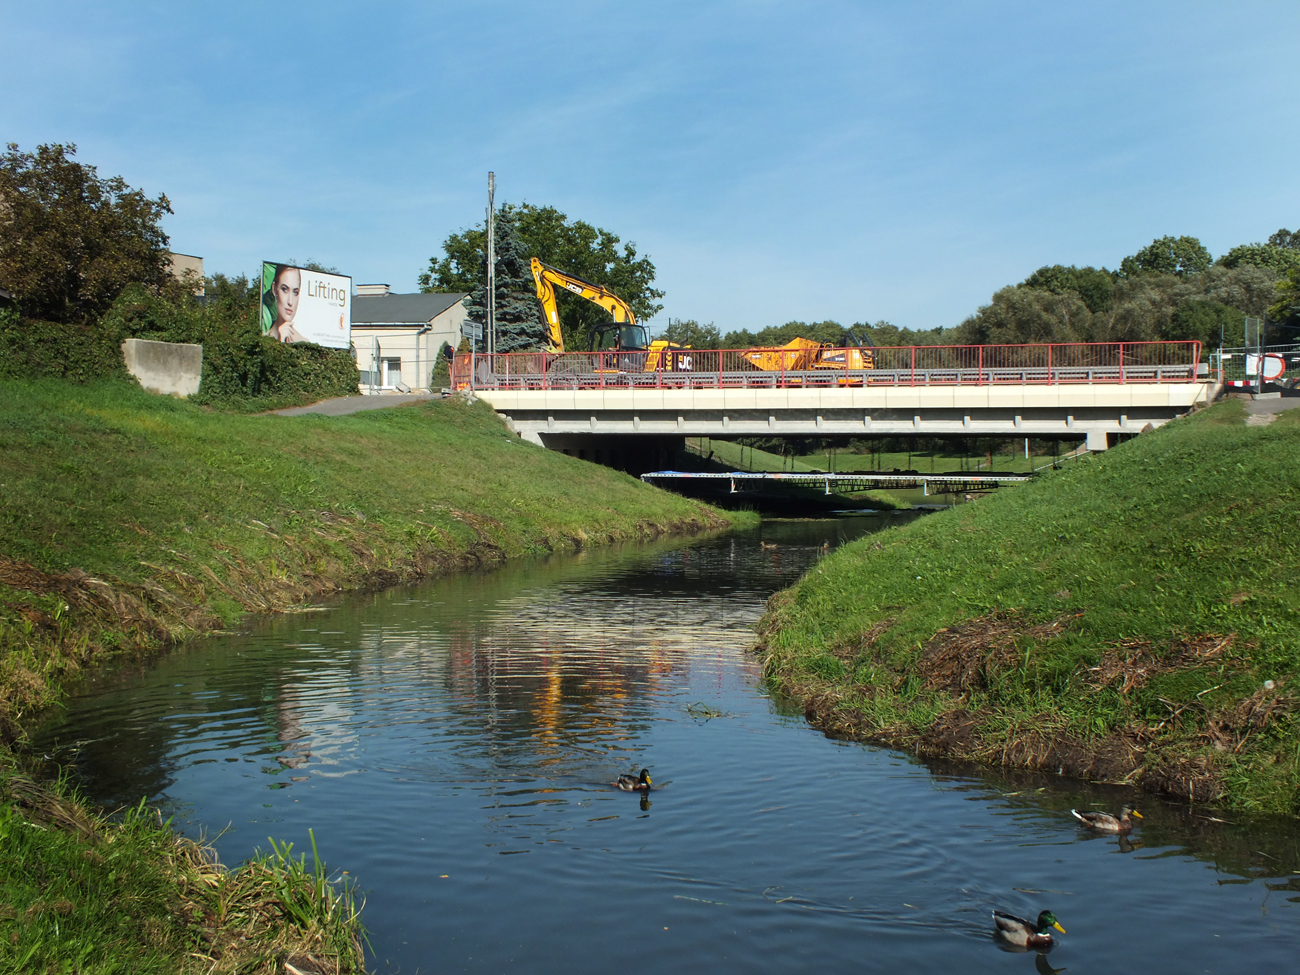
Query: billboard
{"x":301,"y":305}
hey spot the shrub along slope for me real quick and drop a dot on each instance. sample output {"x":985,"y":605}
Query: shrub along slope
{"x":1133,"y":618}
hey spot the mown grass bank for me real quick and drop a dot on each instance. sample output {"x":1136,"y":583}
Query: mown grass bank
{"x":1132,"y":618}
{"x":130,"y":521}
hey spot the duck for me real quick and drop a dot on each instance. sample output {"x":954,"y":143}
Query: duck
{"x":1107,"y":823}
{"x":631,"y":783}
{"x":1027,"y":934}
{"x":767,"y":544}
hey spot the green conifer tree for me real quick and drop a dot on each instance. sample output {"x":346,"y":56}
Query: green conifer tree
{"x":520,"y":327}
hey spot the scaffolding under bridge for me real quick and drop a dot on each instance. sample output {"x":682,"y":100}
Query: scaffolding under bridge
{"x":948,"y":482}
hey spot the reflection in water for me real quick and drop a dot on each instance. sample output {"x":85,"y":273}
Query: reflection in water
{"x":1127,"y":844}
{"x":453,"y":746}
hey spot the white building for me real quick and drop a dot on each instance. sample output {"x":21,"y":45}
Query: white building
{"x":397,"y":337}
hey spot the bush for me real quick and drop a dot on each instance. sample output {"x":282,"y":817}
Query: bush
{"x":240,"y":366}
{"x":247,"y":365}
{"x":52,"y":350}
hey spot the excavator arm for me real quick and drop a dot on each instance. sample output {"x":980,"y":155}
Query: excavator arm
{"x":548,"y":277}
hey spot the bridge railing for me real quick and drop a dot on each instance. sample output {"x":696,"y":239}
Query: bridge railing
{"x":918,"y":365}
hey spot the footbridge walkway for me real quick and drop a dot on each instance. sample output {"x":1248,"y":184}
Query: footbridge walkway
{"x":1095,"y":391}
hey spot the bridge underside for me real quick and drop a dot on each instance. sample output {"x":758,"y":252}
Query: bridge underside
{"x":1098,"y":412}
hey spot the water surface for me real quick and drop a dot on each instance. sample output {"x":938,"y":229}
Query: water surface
{"x":452,"y":746}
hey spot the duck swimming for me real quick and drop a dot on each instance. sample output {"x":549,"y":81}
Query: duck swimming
{"x":1018,"y":931}
{"x":631,"y":783}
{"x":1107,"y":823}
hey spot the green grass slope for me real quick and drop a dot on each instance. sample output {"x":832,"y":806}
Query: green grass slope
{"x":128,"y":520}
{"x":1133,"y":618}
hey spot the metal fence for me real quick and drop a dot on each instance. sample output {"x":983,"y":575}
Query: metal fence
{"x":918,"y":365}
{"x":1280,"y":364}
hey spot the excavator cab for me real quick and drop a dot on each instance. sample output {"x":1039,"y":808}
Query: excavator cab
{"x":624,"y":344}
{"x":620,"y":337}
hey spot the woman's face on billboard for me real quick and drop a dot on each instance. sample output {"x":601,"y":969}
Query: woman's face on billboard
{"x":287,"y":285}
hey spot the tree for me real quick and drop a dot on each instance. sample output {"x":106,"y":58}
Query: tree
{"x":1280,"y":258}
{"x":1286,"y":310}
{"x":1167,"y":255}
{"x":1019,"y":314}
{"x":71,"y":241}
{"x":827,"y":332}
{"x":884,"y":334}
{"x":1209,"y":322}
{"x":518,"y":316}
{"x":691,"y":333}
{"x":575,"y":247}
{"x":1286,"y":238}
{"x":1094,"y":286}
{"x":1164,"y":306}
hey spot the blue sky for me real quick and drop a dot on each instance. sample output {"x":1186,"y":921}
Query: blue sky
{"x":777,"y":161}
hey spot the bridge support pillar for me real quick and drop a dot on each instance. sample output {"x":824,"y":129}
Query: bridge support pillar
{"x":1098,"y":440}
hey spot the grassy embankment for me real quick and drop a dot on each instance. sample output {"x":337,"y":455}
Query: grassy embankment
{"x":1131,"y":618}
{"x":130,"y":521}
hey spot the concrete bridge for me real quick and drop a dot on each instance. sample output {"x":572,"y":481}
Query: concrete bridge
{"x":587,"y":401}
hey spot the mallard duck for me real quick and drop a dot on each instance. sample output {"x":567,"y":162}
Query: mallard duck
{"x":630,"y":783}
{"x":1107,"y":823}
{"x":1018,"y":931}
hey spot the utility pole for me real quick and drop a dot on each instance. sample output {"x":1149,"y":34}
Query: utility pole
{"x":1253,"y":337}
{"x":491,"y":324}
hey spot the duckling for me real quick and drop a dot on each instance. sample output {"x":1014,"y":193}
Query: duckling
{"x":1018,"y":931}
{"x":630,"y":783}
{"x":1107,"y":823}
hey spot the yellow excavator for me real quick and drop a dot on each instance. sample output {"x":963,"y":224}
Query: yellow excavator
{"x":622,"y":335}
{"x":800,"y":354}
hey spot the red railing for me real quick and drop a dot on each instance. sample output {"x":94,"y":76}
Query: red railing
{"x":918,"y":365}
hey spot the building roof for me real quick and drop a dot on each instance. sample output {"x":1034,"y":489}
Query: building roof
{"x":391,"y":309}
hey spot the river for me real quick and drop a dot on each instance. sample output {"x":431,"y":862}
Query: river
{"x":452,"y":744}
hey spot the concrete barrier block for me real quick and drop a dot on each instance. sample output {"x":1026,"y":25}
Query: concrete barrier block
{"x":168,"y":368}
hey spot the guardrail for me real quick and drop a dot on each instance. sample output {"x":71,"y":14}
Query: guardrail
{"x":918,"y":365}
